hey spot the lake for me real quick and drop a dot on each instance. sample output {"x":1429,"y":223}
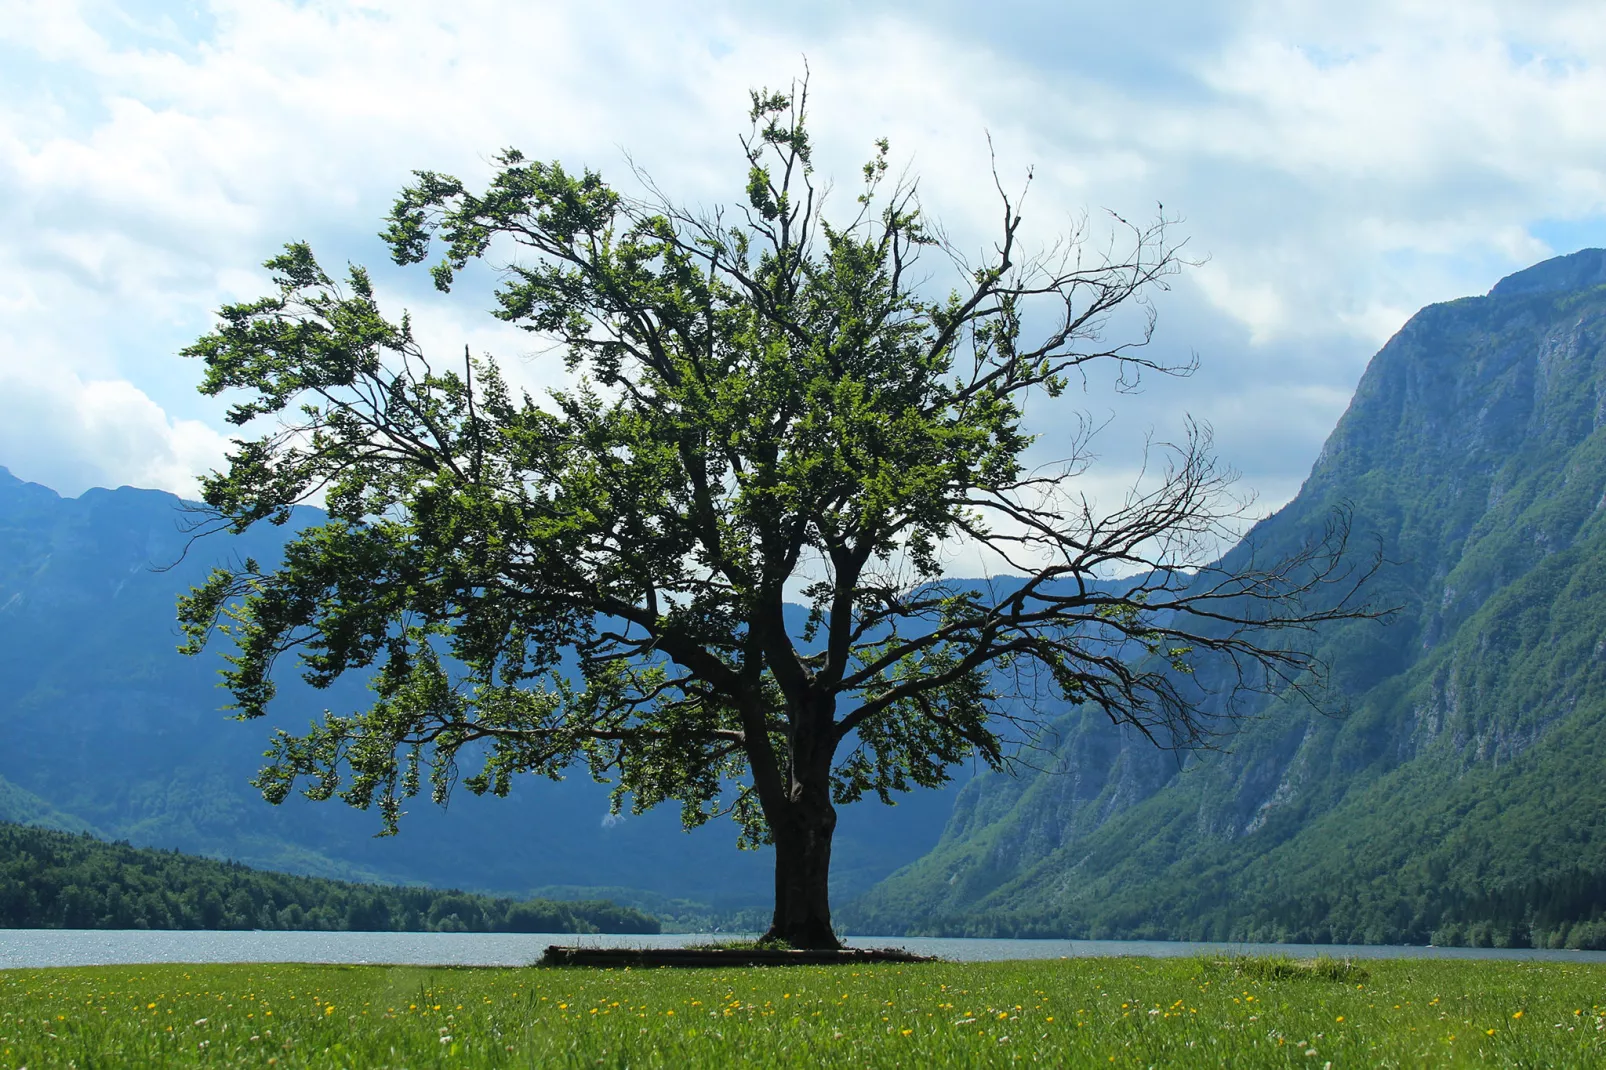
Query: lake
{"x":92,"y":947}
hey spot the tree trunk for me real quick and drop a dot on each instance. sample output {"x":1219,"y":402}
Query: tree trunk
{"x":802,"y":874}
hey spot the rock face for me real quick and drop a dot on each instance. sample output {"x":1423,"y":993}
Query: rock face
{"x":104,"y":727}
{"x":1455,"y":788}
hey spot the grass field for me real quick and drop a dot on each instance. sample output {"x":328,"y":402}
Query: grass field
{"x":1086,"y":1012}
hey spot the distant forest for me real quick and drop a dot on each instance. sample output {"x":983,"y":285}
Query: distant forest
{"x":1565,"y":910}
{"x":57,"y":880}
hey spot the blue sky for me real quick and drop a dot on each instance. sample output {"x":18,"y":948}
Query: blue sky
{"x":1338,"y":165}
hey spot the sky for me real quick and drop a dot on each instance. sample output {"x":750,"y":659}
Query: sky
{"x":1334,"y":168}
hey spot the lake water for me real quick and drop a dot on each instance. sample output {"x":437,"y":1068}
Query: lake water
{"x":91,"y":947}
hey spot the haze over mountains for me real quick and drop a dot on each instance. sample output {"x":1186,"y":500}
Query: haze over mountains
{"x":1454,"y":791}
{"x":105,"y":727}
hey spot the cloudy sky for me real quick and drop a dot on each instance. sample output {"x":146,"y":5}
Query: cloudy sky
{"x":1337,"y":166}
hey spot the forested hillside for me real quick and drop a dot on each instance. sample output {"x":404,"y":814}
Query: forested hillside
{"x":52,"y":880}
{"x":1452,"y":789}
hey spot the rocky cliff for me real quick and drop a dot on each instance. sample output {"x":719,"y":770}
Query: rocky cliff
{"x":1452,"y":785}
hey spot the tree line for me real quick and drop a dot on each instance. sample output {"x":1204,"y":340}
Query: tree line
{"x":57,"y":880}
{"x":1558,"y":910}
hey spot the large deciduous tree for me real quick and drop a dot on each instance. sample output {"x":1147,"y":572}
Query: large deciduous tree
{"x":766,"y":404}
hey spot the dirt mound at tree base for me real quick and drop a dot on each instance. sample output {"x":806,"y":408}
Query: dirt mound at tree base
{"x":644,"y":957}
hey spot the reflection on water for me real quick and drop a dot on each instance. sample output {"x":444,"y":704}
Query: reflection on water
{"x":90,"y":947}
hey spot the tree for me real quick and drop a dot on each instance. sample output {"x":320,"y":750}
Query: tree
{"x":766,"y":404}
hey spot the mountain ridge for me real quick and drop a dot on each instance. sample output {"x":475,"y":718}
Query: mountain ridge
{"x":1474,"y":450}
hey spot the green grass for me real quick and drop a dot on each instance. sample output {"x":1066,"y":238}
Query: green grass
{"x":742,"y":944}
{"x":1283,"y":968}
{"x":1087,"y":1012}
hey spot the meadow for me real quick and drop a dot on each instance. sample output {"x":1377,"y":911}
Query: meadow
{"x":1079,"y":1012}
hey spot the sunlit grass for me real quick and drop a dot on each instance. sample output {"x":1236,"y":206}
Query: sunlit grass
{"x":1125,"y":1012}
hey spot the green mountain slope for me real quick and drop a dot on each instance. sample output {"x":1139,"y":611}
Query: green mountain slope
{"x":1459,"y":794}
{"x":25,"y":808}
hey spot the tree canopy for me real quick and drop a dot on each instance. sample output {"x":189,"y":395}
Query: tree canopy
{"x":767,"y":403}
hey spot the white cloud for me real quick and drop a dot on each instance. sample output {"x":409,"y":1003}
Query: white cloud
{"x":1339,"y":167}
{"x":78,"y":434}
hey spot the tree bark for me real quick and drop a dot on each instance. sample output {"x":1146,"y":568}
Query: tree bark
{"x":802,"y":874}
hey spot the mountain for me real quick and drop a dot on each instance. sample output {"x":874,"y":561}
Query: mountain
{"x":105,"y":728}
{"x":1453,"y":789}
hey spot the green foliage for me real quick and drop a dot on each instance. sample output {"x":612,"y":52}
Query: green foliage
{"x":1078,"y":1012}
{"x":52,"y":880}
